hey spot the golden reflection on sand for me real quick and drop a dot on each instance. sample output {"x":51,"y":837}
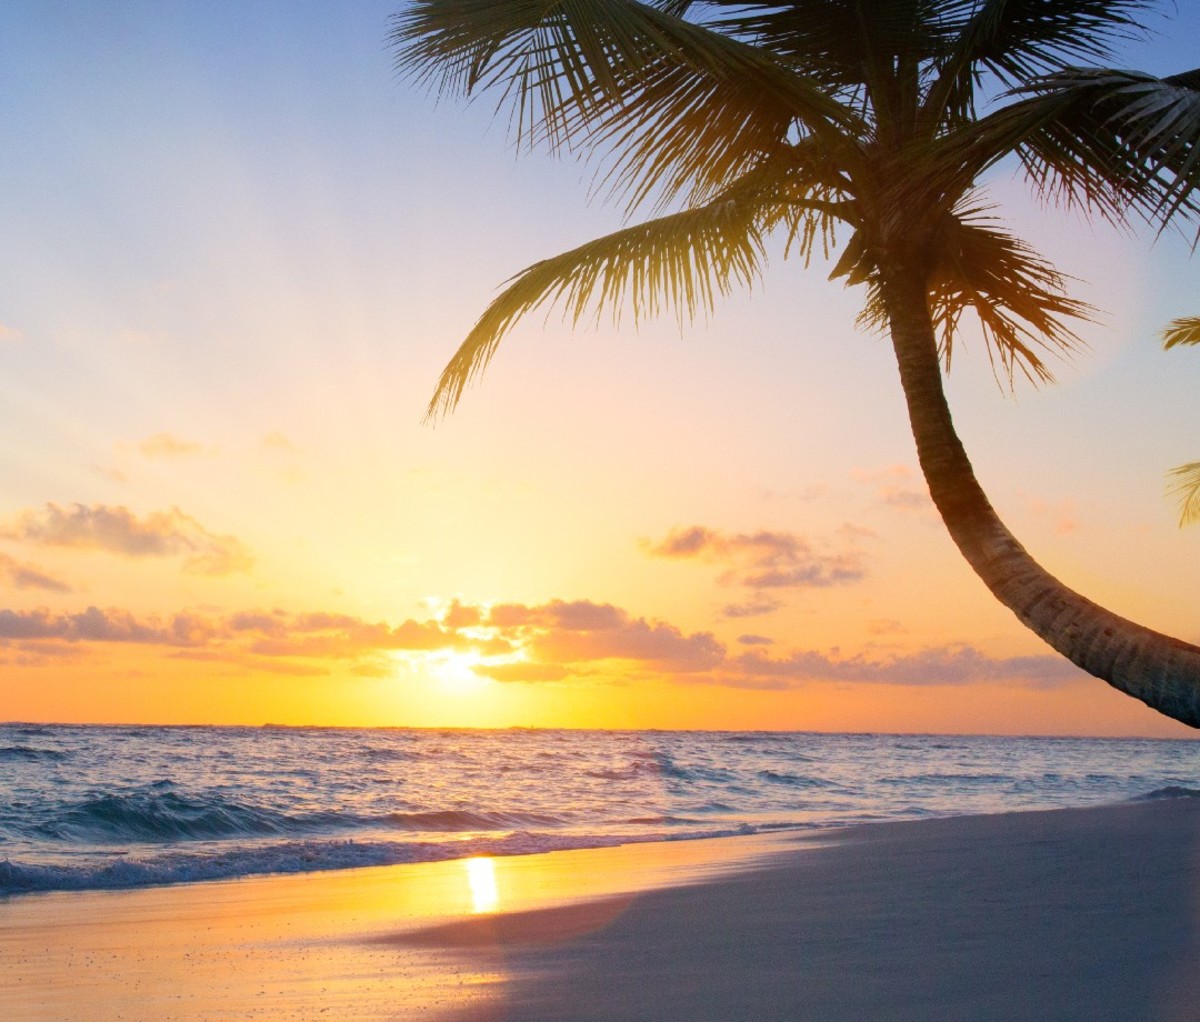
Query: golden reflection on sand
{"x":428,"y":940}
{"x":481,"y":878}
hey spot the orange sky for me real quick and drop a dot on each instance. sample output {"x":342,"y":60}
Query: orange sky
{"x":238,"y":255}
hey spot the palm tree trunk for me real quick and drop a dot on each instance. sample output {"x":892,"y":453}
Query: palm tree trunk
{"x":1161,"y":671}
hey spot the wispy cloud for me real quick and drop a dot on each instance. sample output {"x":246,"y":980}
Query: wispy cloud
{"x":763,"y":559}
{"x":755,"y":607}
{"x":897,"y":487}
{"x":276,"y":441}
{"x":26,"y":576}
{"x":1063,"y":515}
{"x":579,"y":631}
{"x":756,"y":640}
{"x":117,"y":530}
{"x":9,"y":334}
{"x":167,"y":445}
{"x":950,"y":665}
{"x":264,"y":638}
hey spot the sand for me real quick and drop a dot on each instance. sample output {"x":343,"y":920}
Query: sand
{"x":1087,"y":914}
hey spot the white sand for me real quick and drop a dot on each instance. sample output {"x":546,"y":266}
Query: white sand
{"x":1086,"y":915}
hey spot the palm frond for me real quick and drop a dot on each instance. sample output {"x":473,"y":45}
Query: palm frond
{"x":1019,"y":299}
{"x":599,"y":76}
{"x":1186,"y":489}
{"x":1016,"y":40}
{"x":1118,"y":138}
{"x":850,"y":43}
{"x":1185,"y":330}
{"x":682,"y":261}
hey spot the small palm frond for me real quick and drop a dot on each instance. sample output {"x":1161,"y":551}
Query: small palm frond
{"x":1018,"y":297}
{"x":682,"y":261}
{"x":687,"y":108}
{"x":1117,"y":138}
{"x":849,"y":45}
{"x":1017,"y":40}
{"x":1186,"y":489}
{"x":1185,"y":330}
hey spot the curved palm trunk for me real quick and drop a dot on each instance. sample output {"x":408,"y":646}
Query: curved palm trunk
{"x":1161,"y":671}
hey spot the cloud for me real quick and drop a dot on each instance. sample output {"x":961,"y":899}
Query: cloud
{"x":763,"y":559}
{"x":522,"y":671}
{"x":166,"y":445}
{"x":26,"y":576}
{"x":119,"y":531}
{"x":9,"y":334}
{"x":897,"y":487}
{"x":458,"y":615}
{"x":574,"y":615}
{"x":276,"y":441}
{"x":515,"y":643}
{"x":96,"y":625}
{"x":340,"y":636}
{"x":755,"y":640}
{"x":1063,"y":516}
{"x":581,"y":631}
{"x":656,"y":644}
{"x":954,"y":664}
{"x":262,"y":638}
{"x":750,"y":608}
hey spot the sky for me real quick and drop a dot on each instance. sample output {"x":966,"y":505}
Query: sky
{"x":238,"y":250}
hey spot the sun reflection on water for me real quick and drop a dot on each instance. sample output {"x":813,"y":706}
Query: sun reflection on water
{"x":481,"y":878}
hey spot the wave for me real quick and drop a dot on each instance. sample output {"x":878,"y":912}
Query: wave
{"x":124,"y":872}
{"x":793,"y":780}
{"x":659,"y":765}
{"x":1170,"y":791}
{"x":454,"y":820}
{"x":31,"y":754}
{"x":156,"y":814}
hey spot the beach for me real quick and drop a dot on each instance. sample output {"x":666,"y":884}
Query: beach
{"x":1070,"y":914}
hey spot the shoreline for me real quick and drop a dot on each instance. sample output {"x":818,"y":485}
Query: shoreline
{"x":1090,"y":913}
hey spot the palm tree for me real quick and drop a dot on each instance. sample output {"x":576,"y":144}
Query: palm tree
{"x":858,"y":127}
{"x":1186,"y":486}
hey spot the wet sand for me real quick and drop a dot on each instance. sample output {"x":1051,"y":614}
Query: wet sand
{"x":1089,"y":914}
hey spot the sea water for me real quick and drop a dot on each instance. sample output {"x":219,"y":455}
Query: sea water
{"x":108,"y":807}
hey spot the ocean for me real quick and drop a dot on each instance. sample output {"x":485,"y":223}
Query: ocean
{"x":86,"y":807}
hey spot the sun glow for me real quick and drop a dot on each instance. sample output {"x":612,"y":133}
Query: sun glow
{"x":454,"y":672}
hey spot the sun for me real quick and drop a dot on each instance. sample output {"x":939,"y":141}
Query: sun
{"x":454,"y":672}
